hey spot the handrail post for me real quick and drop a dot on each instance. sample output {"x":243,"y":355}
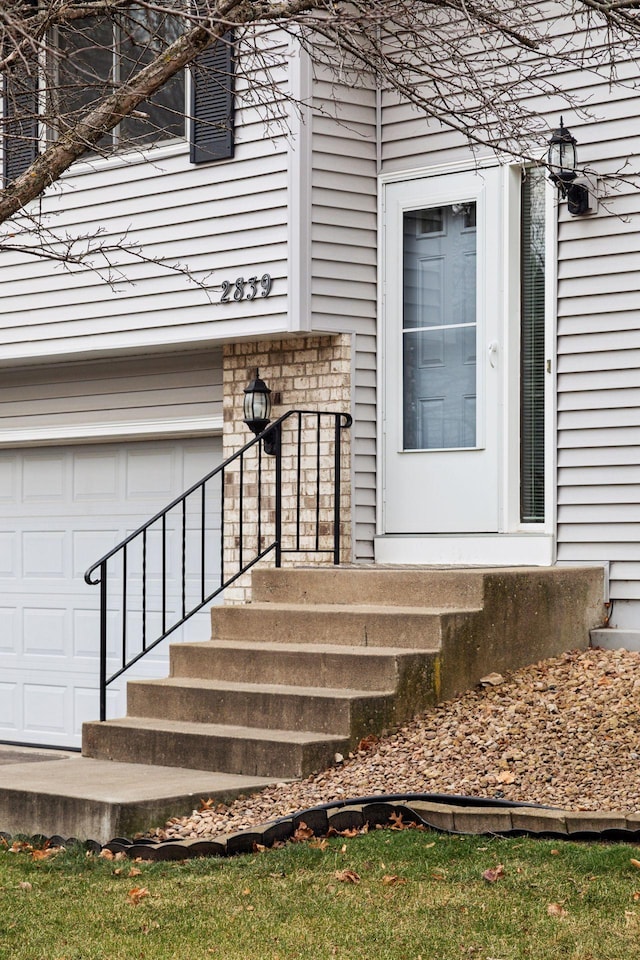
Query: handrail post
{"x":103,"y":640}
{"x":278,"y":525}
{"x":336,"y":503}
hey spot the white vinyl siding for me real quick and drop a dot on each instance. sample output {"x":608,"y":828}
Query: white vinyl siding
{"x":343,"y":250}
{"x":186,"y":229}
{"x":599,"y":397}
{"x":598,"y":343}
{"x":179,"y":393}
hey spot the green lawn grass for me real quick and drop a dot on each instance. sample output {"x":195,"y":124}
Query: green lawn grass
{"x":419,"y":895}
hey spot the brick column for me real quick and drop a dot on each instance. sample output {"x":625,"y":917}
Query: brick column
{"x":311,"y":373}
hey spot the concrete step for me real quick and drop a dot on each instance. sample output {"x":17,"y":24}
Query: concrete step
{"x":320,"y":665}
{"x":616,"y":638}
{"x":72,"y":796}
{"x":342,"y":712}
{"x":275,"y":754}
{"x":351,"y":624}
{"x":399,"y":587}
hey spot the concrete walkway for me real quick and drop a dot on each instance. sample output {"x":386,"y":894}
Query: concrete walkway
{"x":63,"y":793}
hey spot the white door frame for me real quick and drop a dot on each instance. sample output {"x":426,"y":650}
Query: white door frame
{"x":515,"y":542}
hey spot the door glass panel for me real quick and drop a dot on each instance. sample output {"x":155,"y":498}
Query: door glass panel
{"x":439,"y":327}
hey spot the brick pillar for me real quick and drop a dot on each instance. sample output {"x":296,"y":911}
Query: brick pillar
{"x":311,"y":373}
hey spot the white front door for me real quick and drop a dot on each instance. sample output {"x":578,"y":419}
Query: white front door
{"x":442,"y":322}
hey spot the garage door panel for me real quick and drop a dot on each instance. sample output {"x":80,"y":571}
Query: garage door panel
{"x":151,"y":477}
{"x":8,"y":479}
{"x":46,"y":709}
{"x":10,"y":703}
{"x":45,"y":478}
{"x":9,"y":554}
{"x":46,"y":632}
{"x":9,"y":631}
{"x":96,"y":477}
{"x":60,"y":511}
{"x":46,"y":554}
{"x":89,"y":544}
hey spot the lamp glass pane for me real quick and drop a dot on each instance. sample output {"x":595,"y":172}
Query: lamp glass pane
{"x":256,"y":406}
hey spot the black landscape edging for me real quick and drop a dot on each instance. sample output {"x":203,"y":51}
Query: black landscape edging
{"x":492,"y":816}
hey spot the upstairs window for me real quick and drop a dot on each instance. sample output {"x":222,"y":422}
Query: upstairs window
{"x":96,"y":55}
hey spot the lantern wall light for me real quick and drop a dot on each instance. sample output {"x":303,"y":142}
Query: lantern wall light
{"x":562,"y":163}
{"x":257,"y":412}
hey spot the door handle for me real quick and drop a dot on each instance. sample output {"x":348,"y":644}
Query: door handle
{"x":493,"y":353}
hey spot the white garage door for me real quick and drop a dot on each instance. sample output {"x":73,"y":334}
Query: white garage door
{"x":61,"y":508}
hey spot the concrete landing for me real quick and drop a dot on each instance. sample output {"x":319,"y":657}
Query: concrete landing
{"x":616,"y":638}
{"x":57,"y":792}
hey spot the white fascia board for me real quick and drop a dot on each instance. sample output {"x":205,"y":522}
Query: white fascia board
{"x":108,"y":432}
{"x":136,"y":341}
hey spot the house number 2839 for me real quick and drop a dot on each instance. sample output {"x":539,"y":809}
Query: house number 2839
{"x":242,"y":289}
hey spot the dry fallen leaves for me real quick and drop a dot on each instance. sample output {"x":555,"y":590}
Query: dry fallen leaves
{"x":136,"y":895}
{"x":556,"y":910}
{"x":493,"y":873}
{"x":391,"y":880}
{"x":25,"y":885}
{"x":303,"y":832}
{"x":347,"y":876}
{"x":349,"y":833}
{"x":319,"y":844}
{"x":109,"y":855}
{"x":492,"y":680}
{"x":18,"y":846}
{"x":46,"y":853}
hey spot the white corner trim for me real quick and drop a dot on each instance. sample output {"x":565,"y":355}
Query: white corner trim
{"x":299,"y":190}
{"x":110,"y":431}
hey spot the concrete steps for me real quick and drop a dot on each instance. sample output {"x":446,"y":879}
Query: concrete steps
{"x":323,"y":665}
{"x":379,"y":586}
{"x":249,"y":751}
{"x":343,"y":712}
{"x":322,"y":657}
{"x":353,"y":624}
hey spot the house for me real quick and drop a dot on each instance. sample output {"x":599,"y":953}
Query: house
{"x":484,"y":339}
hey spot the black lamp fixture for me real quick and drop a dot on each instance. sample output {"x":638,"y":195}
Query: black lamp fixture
{"x":257,"y":412}
{"x":562,"y":161}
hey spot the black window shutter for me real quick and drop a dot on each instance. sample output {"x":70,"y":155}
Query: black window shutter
{"x":20,"y":146}
{"x":212,"y":103}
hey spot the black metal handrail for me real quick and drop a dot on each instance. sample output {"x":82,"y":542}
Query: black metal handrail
{"x":181,"y":537}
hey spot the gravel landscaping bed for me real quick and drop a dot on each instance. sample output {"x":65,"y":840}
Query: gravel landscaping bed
{"x":564,"y":733}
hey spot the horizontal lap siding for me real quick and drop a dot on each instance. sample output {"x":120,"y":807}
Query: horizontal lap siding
{"x":344,"y":258}
{"x":598,"y":364}
{"x":140,"y":390}
{"x":213,"y":222}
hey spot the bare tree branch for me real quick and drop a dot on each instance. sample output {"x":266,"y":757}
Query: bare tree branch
{"x":473,"y":66}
